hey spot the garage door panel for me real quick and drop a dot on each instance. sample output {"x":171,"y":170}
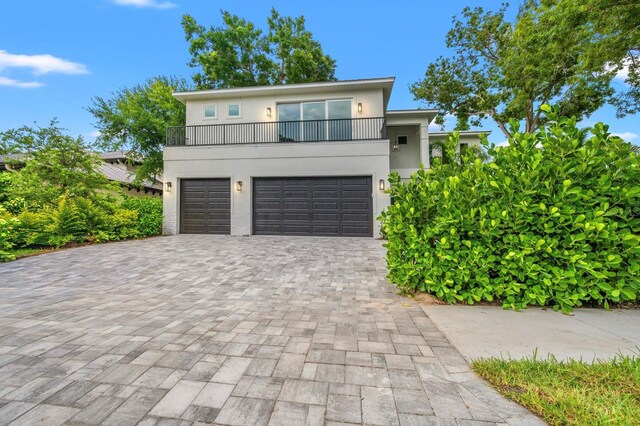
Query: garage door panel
{"x":328,"y":217}
{"x":328,"y":206}
{"x":325,"y":205}
{"x":205,"y":206}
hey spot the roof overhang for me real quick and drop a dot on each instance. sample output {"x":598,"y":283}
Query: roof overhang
{"x":462,"y":133}
{"x":385,"y":84}
{"x":400,"y":117}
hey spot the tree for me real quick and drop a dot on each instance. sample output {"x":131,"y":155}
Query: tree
{"x":612,"y":41}
{"x":503,"y":70}
{"x":136,"y":119}
{"x":54,"y":165}
{"x":238,"y":54}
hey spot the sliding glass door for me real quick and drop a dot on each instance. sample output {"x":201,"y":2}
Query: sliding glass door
{"x":315,"y":121}
{"x":339,"y":114}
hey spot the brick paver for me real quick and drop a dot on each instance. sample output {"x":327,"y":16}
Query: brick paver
{"x":227,"y":330}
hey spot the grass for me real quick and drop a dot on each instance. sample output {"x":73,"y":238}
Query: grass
{"x":571,"y":392}
{"x":25,"y":252}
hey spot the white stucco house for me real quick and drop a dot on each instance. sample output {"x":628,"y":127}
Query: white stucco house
{"x":297,"y":159}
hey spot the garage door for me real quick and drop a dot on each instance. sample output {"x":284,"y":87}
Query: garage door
{"x":329,"y":206}
{"x":205,"y":206}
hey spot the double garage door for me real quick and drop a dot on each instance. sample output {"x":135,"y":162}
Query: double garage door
{"x":323,"y":206}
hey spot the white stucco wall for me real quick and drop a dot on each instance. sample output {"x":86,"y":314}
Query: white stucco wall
{"x":244,"y":162}
{"x":254,"y":108}
{"x":406,"y":160}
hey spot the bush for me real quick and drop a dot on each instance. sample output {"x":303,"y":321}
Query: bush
{"x":553,"y":219}
{"x":6,"y":227}
{"x":149,"y":214}
{"x":32,"y":229}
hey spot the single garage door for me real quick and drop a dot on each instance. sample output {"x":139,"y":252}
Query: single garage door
{"x":329,"y":206}
{"x":205,"y":206}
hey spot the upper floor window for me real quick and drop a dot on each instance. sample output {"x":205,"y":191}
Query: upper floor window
{"x":210,"y":111}
{"x":315,"y":121}
{"x":233,"y":110}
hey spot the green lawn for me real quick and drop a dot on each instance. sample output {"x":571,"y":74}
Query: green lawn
{"x":25,"y":252}
{"x":571,"y":392}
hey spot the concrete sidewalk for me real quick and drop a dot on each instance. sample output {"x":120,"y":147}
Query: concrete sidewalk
{"x":484,"y":331}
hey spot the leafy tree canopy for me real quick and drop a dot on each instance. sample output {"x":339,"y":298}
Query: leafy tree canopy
{"x":505,"y":70}
{"x":136,"y":119}
{"x":55,"y":165}
{"x":612,"y":42}
{"x":238,"y":54}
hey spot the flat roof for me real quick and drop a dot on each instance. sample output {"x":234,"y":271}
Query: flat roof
{"x":385,"y":83}
{"x":462,"y":132}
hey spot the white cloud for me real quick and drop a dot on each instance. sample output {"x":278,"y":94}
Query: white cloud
{"x":623,"y":72}
{"x":41,"y":64}
{"x":449,"y":123}
{"x":154,"y":4}
{"x":6,"y":81}
{"x":95,"y":134}
{"x":503,"y":143}
{"x":626,"y":136}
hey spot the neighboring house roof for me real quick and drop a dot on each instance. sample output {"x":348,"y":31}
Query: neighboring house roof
{"x":111,"y":172}
{"x":119,"y":156}
{"x":386,"y":84}
{"x":117,"y":174}
{"x":4,"y":158}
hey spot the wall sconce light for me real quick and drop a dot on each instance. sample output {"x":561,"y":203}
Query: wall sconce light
{"x":167,"y":186}
{"x":239,"y":185}
{"x":395,"y":147}
{"x":381,"y":185}
{"x":269,"y":112}
{"x":359,"y":107}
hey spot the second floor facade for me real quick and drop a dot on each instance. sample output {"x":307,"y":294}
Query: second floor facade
{"x":296,"y":115}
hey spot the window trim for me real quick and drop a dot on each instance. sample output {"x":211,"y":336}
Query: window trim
{"x":239,"y":110}
{"x":215,"y":111}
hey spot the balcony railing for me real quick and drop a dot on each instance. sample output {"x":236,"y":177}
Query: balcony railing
{"x":347,"y":129}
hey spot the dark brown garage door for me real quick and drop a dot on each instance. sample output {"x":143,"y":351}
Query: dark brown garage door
{"x":329,"y":206}
{"x":205,"y":206}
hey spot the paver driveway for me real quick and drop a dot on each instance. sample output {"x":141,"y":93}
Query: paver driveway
{"x":227,"y":330}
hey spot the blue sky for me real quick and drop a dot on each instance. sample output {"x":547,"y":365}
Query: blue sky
{"x":56,"y":55}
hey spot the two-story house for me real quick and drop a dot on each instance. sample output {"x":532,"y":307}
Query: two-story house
{"x":297,"y":159}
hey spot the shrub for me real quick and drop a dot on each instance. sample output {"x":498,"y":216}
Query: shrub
{"x":66,"y":225}
{"x":32,"y":229}
{"x":149,"y":214}
{"x":6,"y":227}
{"x":119,"y":226}
{"x":553,"y":219}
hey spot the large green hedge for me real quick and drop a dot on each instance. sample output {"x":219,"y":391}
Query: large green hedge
{"x":78,"y":221}
{"x":551,"y":219}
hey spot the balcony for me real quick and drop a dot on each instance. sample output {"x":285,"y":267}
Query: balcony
{"x":348,"y":129}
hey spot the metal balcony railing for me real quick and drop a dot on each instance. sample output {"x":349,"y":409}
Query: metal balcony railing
{"x":342,"y":129}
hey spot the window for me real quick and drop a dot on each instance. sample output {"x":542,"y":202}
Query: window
{"x":209,"y":111}
{"x":339,"y":112}
{"x":233,"y":110}
{"x":402,"y":140}
{"x":315,"y":121}
{"x":289,"y":126}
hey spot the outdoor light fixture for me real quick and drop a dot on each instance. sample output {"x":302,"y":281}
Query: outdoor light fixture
{"x":167,"y":186}
{"x":359,"y":107}
{"x":269,"y":112}
{"x":239,"y":185}
{"x":381,"y":185}
{"x":395,"y":146}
